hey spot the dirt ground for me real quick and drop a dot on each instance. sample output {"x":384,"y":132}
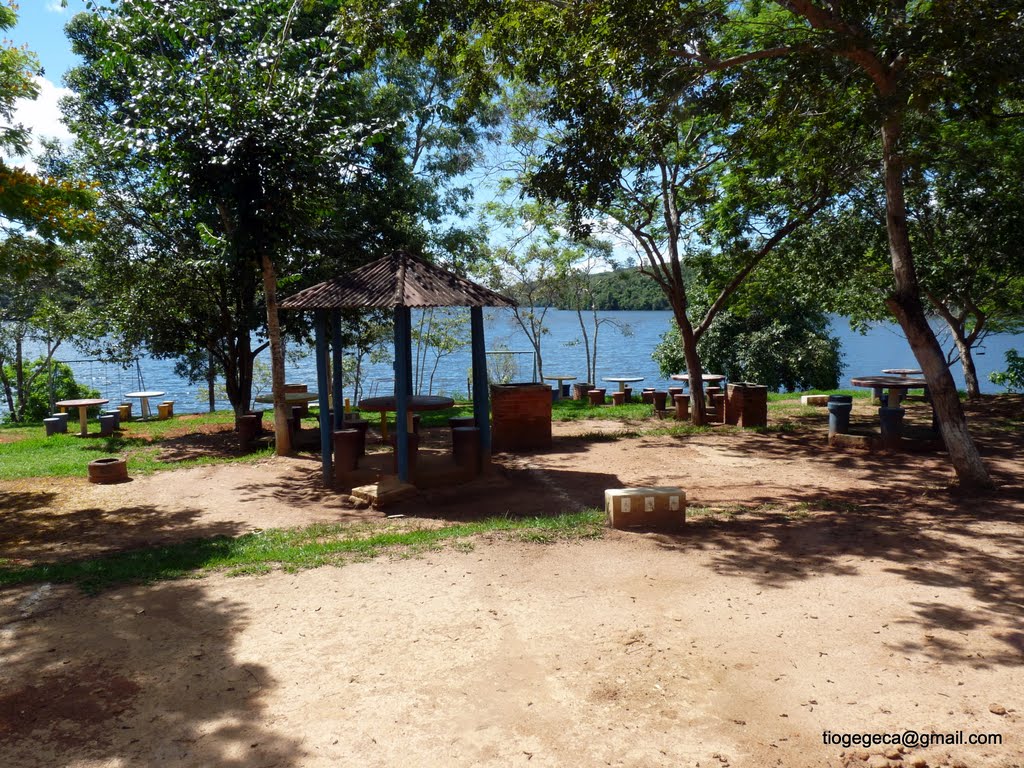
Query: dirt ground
{"x":811,"y":591}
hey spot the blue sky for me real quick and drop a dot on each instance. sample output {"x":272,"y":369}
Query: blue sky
{"x":40,"y":28}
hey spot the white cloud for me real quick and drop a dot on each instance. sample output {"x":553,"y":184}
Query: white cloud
{"x":42,"y":116}
{"x":55,"y":6}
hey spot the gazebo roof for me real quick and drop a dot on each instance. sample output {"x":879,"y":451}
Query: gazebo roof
{"x":398,"y":280}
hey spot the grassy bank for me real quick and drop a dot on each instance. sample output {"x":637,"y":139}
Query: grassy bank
{"x":292,"y":549}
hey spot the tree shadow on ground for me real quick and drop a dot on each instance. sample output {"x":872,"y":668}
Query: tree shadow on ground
{"x":136,"y":676}
{"x":34,"y":529}
{"x":975,"y":550}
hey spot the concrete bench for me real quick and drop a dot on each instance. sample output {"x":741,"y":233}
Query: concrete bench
{"x":816,"y":400}
{"x":662,"y":507}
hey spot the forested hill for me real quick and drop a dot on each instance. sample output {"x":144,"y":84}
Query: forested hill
{"x":625,"y":289}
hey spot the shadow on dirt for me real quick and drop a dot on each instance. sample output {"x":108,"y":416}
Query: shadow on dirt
{"x":137,"y":676}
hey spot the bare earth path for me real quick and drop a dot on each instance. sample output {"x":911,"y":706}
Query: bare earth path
{"x":853,"y":594}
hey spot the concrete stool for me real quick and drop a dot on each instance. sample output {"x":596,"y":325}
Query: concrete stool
{"x":891,"y":420}
{"x":709,"y":393}
{"x":596,"y":396}
{"x":658,"y":399}
{"x":462,"y":421}
{"x":163,"y":411}
{"x":839,"y":407}
{"x":248,"y":427}
{"x":106,"y":426}
{"x":672,"y":392}
{"x":718,"y":406}
{"x":618,"y":398}
{"x":580,"y":390}
{"x":346,"y":452}
{"x":647,"y":395}
{"x":55,"y":426}
{"x":170,"y":407}
{"x":628,"y":392}
{"x":466,"y":448}
{"x":116,"y":413}
{"x":360,"y":425}
{"x":682,"y":407}
{"x":126,"y":411}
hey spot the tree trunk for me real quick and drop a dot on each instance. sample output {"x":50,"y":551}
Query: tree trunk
{"x":906,"y":305}
{"x":282,"y":437}
{"x":970,"y":372}
{"x":211,"y":380}
{"x":963,"y":349}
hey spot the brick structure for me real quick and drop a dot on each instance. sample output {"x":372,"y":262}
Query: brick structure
{"x":580,"y":390}
{"x":520,"y":417}
{"x":663,"y":507}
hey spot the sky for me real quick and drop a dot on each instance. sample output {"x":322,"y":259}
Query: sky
{"x":40,"y":28}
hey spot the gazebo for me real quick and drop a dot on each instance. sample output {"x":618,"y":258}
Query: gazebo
{"x":399,"y":282}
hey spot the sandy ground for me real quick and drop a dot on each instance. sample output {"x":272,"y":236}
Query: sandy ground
{"x":829,"y":591}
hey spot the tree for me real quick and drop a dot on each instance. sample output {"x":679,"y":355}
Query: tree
{"x":443,"y":331}
{"x":771,"y":335}
{"x":965,"y":221}
{"x":37,"y":212}
{"x":629,"y":156}
{"x":576,"y":281}
{"x":895,"y":62}
{"x":259,"y":139}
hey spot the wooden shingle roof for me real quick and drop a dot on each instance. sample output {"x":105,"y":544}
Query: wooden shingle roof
{"x":398,"y":280}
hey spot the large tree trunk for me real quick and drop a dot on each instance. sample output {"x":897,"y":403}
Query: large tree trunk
{"x":906,"y":305}
{"x":698,"y":413}
{"x":282,"y":438}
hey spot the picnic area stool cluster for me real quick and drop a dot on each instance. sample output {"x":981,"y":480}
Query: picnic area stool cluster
{"x":649,"y":508}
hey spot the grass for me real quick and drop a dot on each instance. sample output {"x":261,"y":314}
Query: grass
{"x":293,"y":550}
{"x":31,"y":454}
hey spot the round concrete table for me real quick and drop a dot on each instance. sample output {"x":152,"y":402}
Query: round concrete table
{"x":414,"y":403}
{"x":903,"y":371}
{"x":707,"y":378}
{"x":291,"y":398}
{"x":897,"y":386}
{"x":559,"y":379}
{"x":622,"y":381}
{"x":144,"y":400}
{"x":83,"y":406}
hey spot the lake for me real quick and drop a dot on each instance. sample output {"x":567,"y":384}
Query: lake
{"x":884,"y":346}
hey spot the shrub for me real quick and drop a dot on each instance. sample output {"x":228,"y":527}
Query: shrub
{"x":37,"y":401}
{"x":1013,"y":377}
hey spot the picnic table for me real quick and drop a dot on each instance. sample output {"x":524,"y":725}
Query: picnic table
{"x":897,"y":386}
{"x":83,"y":405}
{"x":414,"y":403}
{"x":707,"y":378}
{"x":291,"y":398}
{"x":144,"y":400}
{"x":622,"y":381}
{"x":559,"y":379}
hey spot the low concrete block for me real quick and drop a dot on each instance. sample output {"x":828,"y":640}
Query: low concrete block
{"x":661,"y":508}
{"x":818,"y":400}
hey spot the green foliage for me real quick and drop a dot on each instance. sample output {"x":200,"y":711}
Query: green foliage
{"x":62,"y":379}
{"x":1013,"y":377}
{"x":784,"y":347}
{"x":621,"y":289}
{"x":36,"y":210}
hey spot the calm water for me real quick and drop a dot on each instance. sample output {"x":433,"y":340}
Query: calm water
{"x":884,"y":346}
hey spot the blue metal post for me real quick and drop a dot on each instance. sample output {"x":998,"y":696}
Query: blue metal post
{"x":481,"y":392}
{"x":337,"y":389}
{"x":403,"y":386}
{"x":321,"y":383}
